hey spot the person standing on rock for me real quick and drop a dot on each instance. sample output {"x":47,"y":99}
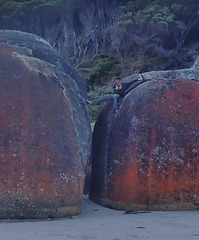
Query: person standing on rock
{"x":119,"y":90}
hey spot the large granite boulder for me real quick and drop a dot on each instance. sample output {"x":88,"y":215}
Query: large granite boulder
{"x":44,"y":130}
{"x":146,"y":156}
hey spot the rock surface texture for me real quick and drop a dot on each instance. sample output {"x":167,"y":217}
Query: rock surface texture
{"x":146,"y":156}
{"x":44,"y":130}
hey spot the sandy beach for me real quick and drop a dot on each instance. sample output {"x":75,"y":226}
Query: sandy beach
{"x":97,"y":222}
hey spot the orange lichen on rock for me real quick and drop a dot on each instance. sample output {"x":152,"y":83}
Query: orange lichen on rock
{"x":155,"y":139}
{"x":42,"y":154}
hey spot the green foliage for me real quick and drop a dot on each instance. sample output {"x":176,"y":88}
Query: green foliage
{"x":88,"y":64}
{"x":156,"y":15}
{"x":141,"y":4}
{"x":182,"y":9}
{"x":15,"y":8}
{"x":151,"y":64}
{"x":168,"y":22}
{"x":126,"y":19}
{"x":147,"y":27}
{"x":105,"y":67}
{"x":126,"y":14}
{"x":177,"y":8}
{"x":98,"y":73}
{"x":96,"y":92}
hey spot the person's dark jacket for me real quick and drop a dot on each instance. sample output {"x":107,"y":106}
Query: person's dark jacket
{"x":120,"y":88}
{"x":123,"y":88}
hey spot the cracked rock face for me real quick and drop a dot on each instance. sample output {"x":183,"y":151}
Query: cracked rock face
{"x":44,"y":130}
{"x":147,"y":155}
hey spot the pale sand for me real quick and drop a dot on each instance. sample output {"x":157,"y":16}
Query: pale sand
{"x":96,"y":222}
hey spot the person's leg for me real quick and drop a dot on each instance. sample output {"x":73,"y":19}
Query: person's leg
{"x":103,"y":99}
{"x":115,"y":99}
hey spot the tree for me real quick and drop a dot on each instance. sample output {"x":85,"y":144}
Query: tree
{"x":172,"y":19}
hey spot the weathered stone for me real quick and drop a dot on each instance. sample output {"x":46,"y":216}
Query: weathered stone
{"x":189,"y":74}
{"x":147,"y":155}
{"x":44,"y":130}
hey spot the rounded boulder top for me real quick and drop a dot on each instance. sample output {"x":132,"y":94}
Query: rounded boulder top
{"x":44,"y":130}
{"x":151,"y":149}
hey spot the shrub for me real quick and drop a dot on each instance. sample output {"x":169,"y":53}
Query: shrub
{"x":96,"y":92}
{"x":104,"y":68}
{"x":155,"y":63}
